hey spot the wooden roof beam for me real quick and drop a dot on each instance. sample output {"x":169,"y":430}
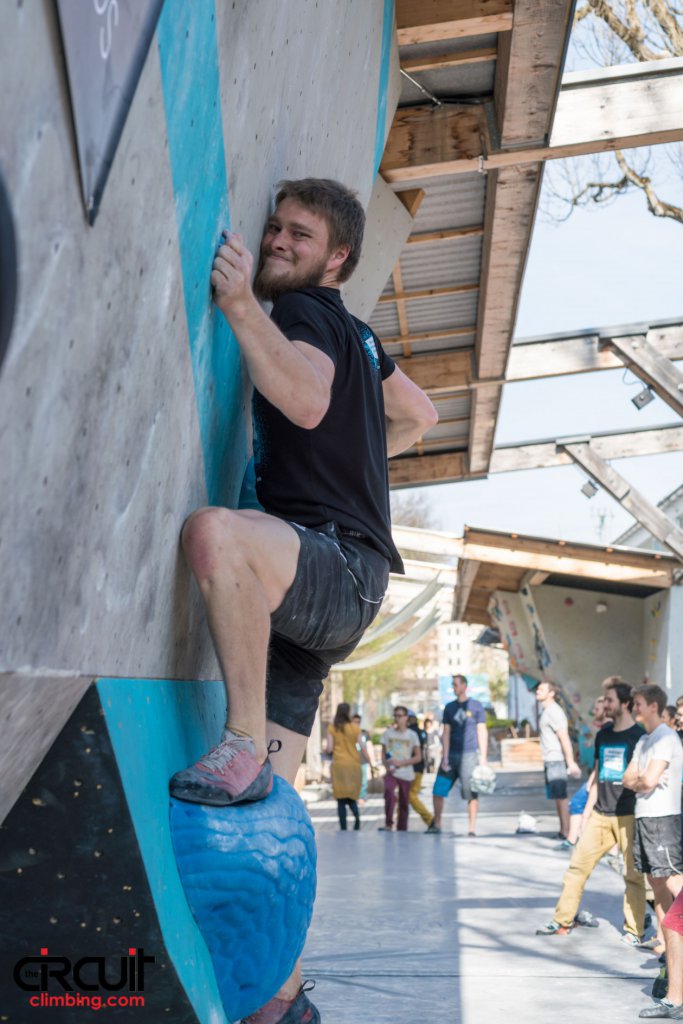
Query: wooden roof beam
{"x":567,"y":557}
{"x":423,"y":21}
{"x":648,"y":515}
{"x":596,"y":113}
{"x":467,"y":573}
{"x":397,"y":278}
{"x":542,"y":454}
{"x":449,"y":467}
{"x":427,"y":469}
{"x":587,"y":353}
{"x":439,"y":371}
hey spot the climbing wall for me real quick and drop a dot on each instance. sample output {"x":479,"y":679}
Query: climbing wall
{"x":123,"y":403}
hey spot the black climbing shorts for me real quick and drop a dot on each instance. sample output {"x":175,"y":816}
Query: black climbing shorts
{"x":657,"y":846}
{"x":337,"y":591}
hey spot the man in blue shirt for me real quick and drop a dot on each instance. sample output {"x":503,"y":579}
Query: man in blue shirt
{"x":465,"y":744}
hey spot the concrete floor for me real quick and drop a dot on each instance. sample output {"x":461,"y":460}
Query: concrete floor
{"x":411,"y":927}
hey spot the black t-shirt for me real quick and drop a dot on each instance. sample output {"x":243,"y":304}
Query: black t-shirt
{"x":613,"y":753}
{"x":422,"y":736}
{"x":338,"y":471}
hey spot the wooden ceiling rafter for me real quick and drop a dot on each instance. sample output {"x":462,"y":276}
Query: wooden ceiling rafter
{"x":531,"y":117}
{"x":448,"y":235}
{"x":454,"y":58}
{"x":424,"y":21}
{"x":430,"y":293}
{"x":426,"y":336}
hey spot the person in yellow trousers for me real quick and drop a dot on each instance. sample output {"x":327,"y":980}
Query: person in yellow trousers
{"x":416,"y":786}
{"x":608,"y":818}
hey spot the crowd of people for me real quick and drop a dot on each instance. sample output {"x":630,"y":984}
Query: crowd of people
{"x":630,"y":803}
{"x":628,"y":809}
{"x":408,"y":750}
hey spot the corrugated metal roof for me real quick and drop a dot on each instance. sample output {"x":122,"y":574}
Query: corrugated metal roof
{"x":384,"y":320}
{"x":456,"y":261}
{"x":455,"y":83}
{"x":443,"y":312}
{"x":446,"y":430}
{"x":453,"y":407}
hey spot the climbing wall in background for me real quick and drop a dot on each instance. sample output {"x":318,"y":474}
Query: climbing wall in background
{"x":123,"y":402}
{"x":577,"y":638}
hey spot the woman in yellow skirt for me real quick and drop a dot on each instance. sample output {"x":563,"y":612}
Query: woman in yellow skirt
{"x":346,"y":771}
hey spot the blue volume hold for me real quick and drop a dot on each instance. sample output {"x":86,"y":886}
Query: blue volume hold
{"x":249,"y":874}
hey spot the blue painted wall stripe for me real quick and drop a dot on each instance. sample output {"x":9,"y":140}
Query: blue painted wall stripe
{"x":156,"y":728}
{"x":385,"y":63}
{"x":191,"y":87}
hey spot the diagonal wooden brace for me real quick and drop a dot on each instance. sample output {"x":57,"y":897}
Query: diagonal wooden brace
{"x":647,"y":514}
{"x":658,"y":372}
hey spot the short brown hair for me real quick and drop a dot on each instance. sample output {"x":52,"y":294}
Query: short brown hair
{"x":623,"y":691}
{"x":608,"y":683}
{"x":341,"y":209}
{"x":653,"y":694}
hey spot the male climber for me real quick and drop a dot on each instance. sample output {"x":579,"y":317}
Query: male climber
{"x":289,"y":591}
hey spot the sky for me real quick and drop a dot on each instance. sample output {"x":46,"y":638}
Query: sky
{"x":602,"y":267}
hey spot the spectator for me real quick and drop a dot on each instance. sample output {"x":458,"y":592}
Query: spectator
{"x":416,"y":785}
{"x":433,"y":744}
{"x":671,"y":1007}
{"x":609,"y":818}
{"x":655,"y":774}
{"x":578,"y":802}
{"x":586,"y":739}
{"x":669,"y":715}
{"x":367,"y":757}
{"x":465,"y":743}
{"x":678,"y":726}
{"x":400,"y":752}
{"x":557,"y":753}
{"x":346,"y":774}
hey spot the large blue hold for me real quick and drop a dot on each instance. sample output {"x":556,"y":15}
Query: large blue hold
{"x":249,"y":874}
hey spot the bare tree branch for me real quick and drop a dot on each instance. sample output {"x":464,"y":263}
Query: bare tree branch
{"x":657,"y":206}
{"x":582,"y":13}
{"x":631,"y":33}
{"x":668,"y":22}
{"x":643,"y":30}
